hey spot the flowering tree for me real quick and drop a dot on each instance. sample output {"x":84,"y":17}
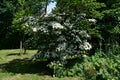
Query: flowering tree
{"x":59,"y":40}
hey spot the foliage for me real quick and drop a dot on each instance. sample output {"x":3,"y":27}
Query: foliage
{"x":89,"y":7}
{"x":30,"y":43}
{"x":25,"y":11}
{"x":14,"y":15}
{"x":98,"y":67}
{"x":5,"y":22}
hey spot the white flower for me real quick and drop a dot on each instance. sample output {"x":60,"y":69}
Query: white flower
{"x":83,"y":14}
{"x":26,"y":24}
{"x":84,"y":55}
{"x":56,"y":25}
{"x":92,"y":20}
{"x":64,"y":57}
{"x":85,"y":46}
{"x":35,"y":29}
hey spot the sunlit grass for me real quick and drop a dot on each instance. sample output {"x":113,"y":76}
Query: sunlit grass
{"x":7,"y":55}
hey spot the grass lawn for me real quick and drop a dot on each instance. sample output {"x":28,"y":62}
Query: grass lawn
{"x":16,"y":67}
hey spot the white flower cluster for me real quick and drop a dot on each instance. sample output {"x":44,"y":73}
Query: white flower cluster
{"x":85,"y":46}
{"x":56,"y":25}
{"x":92,"y":20}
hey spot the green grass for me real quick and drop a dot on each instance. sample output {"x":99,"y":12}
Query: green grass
{"x":16,"y":67}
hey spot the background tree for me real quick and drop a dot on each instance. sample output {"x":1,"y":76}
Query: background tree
{"x":25,"y":10}
{"x":6,"y":13}
{"x":109,"y":25}
{"x":14,"y":18}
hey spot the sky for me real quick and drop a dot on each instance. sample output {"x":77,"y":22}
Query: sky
{"x":50,"y":7}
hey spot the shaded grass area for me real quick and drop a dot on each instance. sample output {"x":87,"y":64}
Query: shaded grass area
{"x":25,"y":66}
{"x":16,"y":67}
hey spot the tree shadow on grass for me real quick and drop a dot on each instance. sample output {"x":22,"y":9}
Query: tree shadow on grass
{"x":13,"y":54}
{"x":25,"y":66}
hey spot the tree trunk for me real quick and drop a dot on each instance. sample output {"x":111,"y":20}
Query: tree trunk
{"x":46,"y":6}
{"x":24,"y":49}
{"x":21,"y":47}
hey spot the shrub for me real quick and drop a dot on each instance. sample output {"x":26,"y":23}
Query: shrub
{"x":58,"y":39}
{"x":97,"y":67}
